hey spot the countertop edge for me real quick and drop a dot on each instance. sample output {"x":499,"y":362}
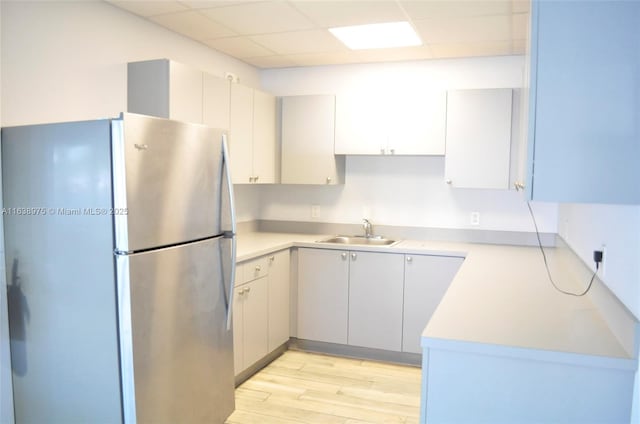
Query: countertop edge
{"x":530,"y":353}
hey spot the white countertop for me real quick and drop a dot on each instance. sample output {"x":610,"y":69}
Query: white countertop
{"x":501,"y":296}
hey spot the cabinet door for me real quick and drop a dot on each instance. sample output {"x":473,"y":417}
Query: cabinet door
{"x":478,"y":150}
{"x":241,"y":134}
{"x":255,"y":320}
{"x":426,"y":279}
{"x":215,"y":101}
{"x":165,"y":89}
{"x":361,"y":125}
{"x":308,"y":134}
{"x":185,"y":93}
{"x":323,"y":292}
{"x":417,"y":123}
{"x":279,"y":299}
{"x":238,"y":330}
{"x":585,"y":102}
{"x":264,"y":137}
{"x":375,"y":300}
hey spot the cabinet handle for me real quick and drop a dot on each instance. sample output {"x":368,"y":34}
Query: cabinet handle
{"x":248,"y":289}
{"x":256,"y":178}
{"x":272,"y":258}
{"x":241,"y":292}
{"x":344,"y":256}
{"x":393,"y":151}
{"x":354,"y":256}
{"x":382,"y":151}
{"x":328,"y":180}
{"x":518,"y":186}
{"x":258,"y":268}
{"x":449,"y":182}
{"x":409,"y":259}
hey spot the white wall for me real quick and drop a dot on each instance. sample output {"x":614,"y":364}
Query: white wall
{"x":587,"y":228}
{"x":67,"y":60}
{"x":401,"y":190}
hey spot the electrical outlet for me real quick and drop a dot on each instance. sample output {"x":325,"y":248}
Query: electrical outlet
{"x":474,"y":218}
{"x":315,"y":211}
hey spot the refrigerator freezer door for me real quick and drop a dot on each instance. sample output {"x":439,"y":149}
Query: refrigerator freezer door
{"x":177,"y":356}
{"x":167,"y":182}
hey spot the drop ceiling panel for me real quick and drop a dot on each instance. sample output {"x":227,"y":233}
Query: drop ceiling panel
{"x":520,"y":26}
{"x":280,"y":33}
{"x":150,"y":8}
{"x":316,"y":59}
{"x":406,"y":53}
{"x":240,"y":47}
{"x":421,"y":9}
{"x":314,"y":41}
{"x":464,"y":30}
{"x":343,"y":13}
{"x":193,"y":25}
{"x":487,"y":48}
{"x":208,"y":4}
{"x":260,"y":18}
{"x":271,"y":62}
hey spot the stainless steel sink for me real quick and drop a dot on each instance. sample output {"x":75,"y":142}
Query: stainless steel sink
{"x":360,"y":240}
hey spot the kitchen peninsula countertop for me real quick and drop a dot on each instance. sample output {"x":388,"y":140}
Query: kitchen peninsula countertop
{"x":500,"y":298}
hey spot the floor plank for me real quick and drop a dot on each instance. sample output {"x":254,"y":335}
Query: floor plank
{"x":302,"y":388}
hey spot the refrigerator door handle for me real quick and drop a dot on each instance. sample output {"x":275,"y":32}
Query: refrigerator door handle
{"x":232,"y":232}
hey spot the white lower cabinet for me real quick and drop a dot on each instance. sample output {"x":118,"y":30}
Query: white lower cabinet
{"x":260,"y":308}
{"x":426,"y":279}
{"x":370,"y":299}
{"x":323,"y":295}
{"x":375,"y":300}
{"x":250,"y":326}
{"x":279,"y":299}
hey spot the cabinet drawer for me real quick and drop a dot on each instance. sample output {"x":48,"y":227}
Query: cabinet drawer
{"x":252,"y":270}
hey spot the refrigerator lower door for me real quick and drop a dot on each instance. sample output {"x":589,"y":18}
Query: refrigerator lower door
{"x":177,"y":356}
{"x":167,"y":178}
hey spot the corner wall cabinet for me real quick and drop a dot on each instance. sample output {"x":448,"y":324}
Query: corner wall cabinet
{"x":403,"y":123}
{"x":584,"y":102}
{"x":478,"y":140}
{"x":308,"y":134}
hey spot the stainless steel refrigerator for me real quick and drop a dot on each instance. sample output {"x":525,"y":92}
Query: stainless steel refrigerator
{"x":120,"y":252}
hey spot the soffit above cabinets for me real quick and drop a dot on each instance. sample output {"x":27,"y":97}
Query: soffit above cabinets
{"x":278,"y":33}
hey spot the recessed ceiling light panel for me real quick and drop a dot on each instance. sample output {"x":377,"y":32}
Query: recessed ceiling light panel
{"x":377,"y":36}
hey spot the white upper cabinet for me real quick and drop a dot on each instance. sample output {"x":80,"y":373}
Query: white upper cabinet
{"x":264,"y":137}
{"x":478,"y":138}
{"x":584,"y":131}
{"x":215,"y":101}
{"x":308,"y":128}
{"x":252,"y":135}
{"x":166,"y":89}
{"x":404,"y":123}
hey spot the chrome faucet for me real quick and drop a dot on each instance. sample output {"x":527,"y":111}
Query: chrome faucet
{"x":368,"y":228}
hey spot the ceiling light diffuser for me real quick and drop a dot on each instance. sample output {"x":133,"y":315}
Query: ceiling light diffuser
{"x":377,"y":36}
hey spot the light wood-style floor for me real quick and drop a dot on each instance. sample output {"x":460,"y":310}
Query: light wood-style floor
{"x":301,"y":387}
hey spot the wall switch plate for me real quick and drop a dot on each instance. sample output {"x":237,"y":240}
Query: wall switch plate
{"x":315,"y":211}
{"x":474,"y":218}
